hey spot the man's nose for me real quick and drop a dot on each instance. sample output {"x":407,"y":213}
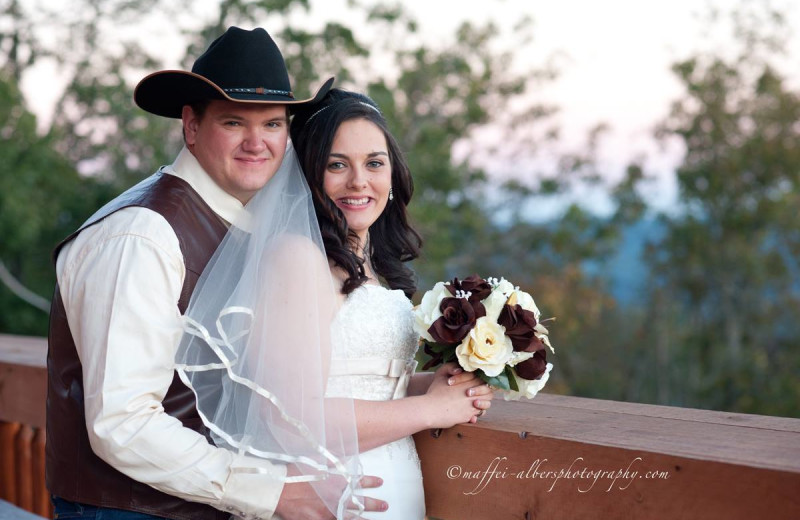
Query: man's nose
{"x":254,"y":140}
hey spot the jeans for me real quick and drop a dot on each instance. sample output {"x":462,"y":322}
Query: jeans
{"x":66,"y":509}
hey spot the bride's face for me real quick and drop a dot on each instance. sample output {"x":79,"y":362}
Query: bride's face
{"x":358,"y":174}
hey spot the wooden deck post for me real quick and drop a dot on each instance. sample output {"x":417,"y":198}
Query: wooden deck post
{"x":8,"y":461}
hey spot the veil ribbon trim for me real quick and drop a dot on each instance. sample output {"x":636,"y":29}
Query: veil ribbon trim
{"x":194,"y":328}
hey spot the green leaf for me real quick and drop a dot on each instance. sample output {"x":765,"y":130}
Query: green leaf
{"x":500,"y":381}
{"x":512,"y":381}
{"x":439,"y":348}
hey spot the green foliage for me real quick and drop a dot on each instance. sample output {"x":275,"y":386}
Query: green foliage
{"x":728,"y":260}
{"x":42,"y":199}
{"x":505,"y":380}
{"x":99,"y":129}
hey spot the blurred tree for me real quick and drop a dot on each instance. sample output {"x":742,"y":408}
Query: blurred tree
{"x":729,"y":258}
{"x":564,"y":263}
{"x":100,"y":45}
{"x":42,"y":199}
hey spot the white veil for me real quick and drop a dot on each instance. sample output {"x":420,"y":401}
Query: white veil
{"x":256,"y":348}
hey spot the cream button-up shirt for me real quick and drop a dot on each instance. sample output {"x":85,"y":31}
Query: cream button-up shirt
{"x":120,"y":281}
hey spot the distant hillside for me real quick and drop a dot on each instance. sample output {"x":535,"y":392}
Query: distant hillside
{"x":626,"y":271}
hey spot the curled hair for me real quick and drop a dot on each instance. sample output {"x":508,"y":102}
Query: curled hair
{"x":392,"y":240}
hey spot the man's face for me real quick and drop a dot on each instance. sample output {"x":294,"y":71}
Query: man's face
{"x":239,"y":145}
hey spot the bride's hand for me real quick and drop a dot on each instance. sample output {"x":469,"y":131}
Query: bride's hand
{"x":476,"y":389}
{"x":457,"y":396}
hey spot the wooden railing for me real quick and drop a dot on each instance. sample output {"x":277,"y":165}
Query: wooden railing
{"x":554,"y":457}
{"x":23,"y":390}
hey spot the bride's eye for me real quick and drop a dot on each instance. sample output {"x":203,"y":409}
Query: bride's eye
{"x":336,"y":165}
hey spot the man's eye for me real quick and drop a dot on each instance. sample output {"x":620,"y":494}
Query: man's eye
{"x":232,"y":123}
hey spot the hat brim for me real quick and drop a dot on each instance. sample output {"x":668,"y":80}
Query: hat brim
{"x":165,"y":93}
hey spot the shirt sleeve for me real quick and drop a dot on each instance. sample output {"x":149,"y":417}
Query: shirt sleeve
{"x":120,"y":281}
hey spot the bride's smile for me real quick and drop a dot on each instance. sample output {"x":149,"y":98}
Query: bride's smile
{"x":358,"y":175}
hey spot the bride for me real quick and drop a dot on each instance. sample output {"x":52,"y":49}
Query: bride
{"x":295,"y":350}
{"x":360,"y":185}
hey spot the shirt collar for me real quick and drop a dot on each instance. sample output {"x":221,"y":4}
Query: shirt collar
{"x":222,"y":203}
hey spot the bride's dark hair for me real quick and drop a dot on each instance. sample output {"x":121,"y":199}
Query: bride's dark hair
{"x":392,"y":240}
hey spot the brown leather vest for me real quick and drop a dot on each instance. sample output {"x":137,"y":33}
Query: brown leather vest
{"x":73,"y":471}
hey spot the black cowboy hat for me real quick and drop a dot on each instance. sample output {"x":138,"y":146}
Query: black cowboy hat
{"x":242,"y":66}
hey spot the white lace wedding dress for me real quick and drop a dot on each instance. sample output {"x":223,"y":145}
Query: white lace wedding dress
{"x":376,"y":324}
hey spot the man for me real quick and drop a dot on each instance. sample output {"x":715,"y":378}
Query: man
{"x":123,"y":432}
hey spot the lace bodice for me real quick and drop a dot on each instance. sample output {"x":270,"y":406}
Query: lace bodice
{"x":375,"y":327}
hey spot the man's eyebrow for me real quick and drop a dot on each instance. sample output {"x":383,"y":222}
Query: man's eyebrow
{"x":232,"y":115}
{"x":229,"y":115}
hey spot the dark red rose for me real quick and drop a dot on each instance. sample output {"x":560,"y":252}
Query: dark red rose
{"x":519,"y":325}
{"x":457,"y":319}
{"x":438,"y":354}
{"x":437,"y":358}
{"x":534,"y":367}
{"x":474,"y":284}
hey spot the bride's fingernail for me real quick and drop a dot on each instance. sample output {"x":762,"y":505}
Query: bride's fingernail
{"x":450,"y":382}
{"x":470,"y":392}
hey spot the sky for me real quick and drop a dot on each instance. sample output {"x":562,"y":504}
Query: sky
{"x":614,"y":60}
{"x":613,"y":57}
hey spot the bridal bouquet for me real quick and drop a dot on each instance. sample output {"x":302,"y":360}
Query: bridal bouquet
{"x":489,"y":327}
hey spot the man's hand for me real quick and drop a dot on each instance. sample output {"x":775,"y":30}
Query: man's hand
{"x":299,"y":501}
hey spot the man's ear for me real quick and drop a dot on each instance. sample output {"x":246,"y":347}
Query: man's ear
{"x":190,"y":123}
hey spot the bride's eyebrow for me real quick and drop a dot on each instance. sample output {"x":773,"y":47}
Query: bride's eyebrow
{"x":345,"y":156}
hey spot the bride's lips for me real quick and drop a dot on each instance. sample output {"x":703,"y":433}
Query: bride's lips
{"x":354,"y":203}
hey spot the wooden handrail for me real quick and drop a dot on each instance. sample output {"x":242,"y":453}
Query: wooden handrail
{"x":554,"y":457}
{"x":564,"y":457}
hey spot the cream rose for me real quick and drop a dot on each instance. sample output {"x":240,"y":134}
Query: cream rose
{"x":528,"y":388}
{"x":525,"y":300}
{"x":541,"y":332}
{"x":494,"y":304}
{"x":518,"y":357}
{"x":428,"y":310}
{"x":486,"y":347}
{"x":504,"y":286}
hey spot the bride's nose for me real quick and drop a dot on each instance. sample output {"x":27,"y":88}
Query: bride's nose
{"x":358,"y":178}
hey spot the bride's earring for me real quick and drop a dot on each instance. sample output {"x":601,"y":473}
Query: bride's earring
{"x":391,"y":195}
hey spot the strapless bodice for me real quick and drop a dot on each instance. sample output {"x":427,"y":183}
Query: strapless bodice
{"x":374,"y":327}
